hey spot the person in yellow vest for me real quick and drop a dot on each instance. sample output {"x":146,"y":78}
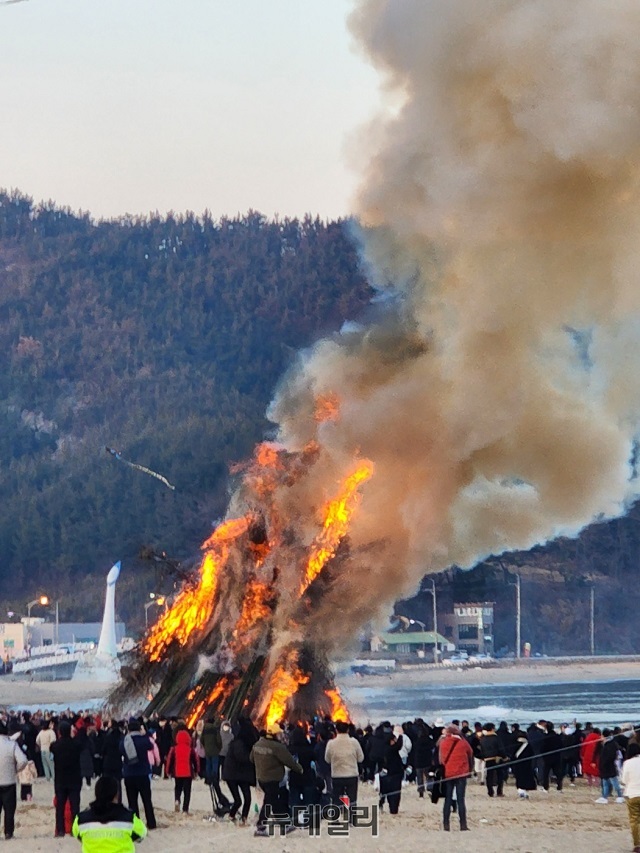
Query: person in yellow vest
{"x":107,"y":826}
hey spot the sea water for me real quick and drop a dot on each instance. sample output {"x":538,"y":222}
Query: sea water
{"x":599,"y":702}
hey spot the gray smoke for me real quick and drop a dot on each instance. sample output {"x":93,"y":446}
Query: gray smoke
{"x":498,"y":390}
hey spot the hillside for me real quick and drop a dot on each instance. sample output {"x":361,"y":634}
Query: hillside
{"x":164,"y":337}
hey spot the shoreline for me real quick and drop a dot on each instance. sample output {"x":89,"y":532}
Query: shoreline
{"x":538,"y":672}
{"x":76,"y":694}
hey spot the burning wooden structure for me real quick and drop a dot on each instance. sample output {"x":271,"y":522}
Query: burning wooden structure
{"x":247,"y":633}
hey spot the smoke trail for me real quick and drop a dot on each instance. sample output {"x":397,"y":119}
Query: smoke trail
{"x":498,"y":393}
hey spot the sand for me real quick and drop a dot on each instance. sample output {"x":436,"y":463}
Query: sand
{"x":533,"y":672}
{"x":547,"y":822}
{"x":25,"y":694}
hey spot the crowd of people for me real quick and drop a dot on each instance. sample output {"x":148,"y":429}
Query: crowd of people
{"x":298,"y":767}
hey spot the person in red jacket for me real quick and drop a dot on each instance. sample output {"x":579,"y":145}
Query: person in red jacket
{"x":589,"y":753}
{"x":182,"y":764}
{"x":456,"y":756}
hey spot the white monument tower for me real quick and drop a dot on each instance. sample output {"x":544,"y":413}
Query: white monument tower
{"x":103,"y":664}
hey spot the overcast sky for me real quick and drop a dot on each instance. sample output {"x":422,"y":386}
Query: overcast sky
{"x":136,"y":105}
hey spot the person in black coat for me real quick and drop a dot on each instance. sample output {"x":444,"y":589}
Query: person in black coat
{"x":535,"y":735}
{"x":553,"y":757}
{"x":111,"y":755}
{"x":377,"y":749}
{"x":239,"y":771}
{"x":164,"y":739}
{"x":522,"y":766}
{"x":493,"y":756}
{"x":29,"y":736}
{"x":391,"y":781}
{"x":96,"y":739}
{"x":303,"y":789}
{"x":423,"y":756}
{"x":66,"y":753}
{"x":607,"y":764}
{"x":571,"y":752}
{"x":86,"y":756}
{"x":365,"y":743}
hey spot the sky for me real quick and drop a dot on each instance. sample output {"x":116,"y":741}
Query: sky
{"x":131,"y":106}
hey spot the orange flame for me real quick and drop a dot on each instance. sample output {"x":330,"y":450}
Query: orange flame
{"x":283,"y":685}
{"x":339,"y":710}
{"x":337,"y":515}
{"x":255,"y":607}
{"x":222,"y":688}
{"x":194,"y":606}
{"x":327,"y":408}
{"x":267,"y":455}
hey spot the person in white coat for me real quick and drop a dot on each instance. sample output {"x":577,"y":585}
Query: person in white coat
{"x":631,"y":782}
{"x":46,"y":736}
{"x":12,"y":760}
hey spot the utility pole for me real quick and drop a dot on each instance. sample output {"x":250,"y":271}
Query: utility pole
{"x":518,"y":617}
{"x":436,"y":654}
{"x":593,"y":620}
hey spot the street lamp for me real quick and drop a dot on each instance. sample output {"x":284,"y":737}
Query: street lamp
{"x":418,"y":622}
{"x":518,"y":616}
{"x":43,"y":600}
{"x":592,"y":620}
{"x":432,"y":592}
{"x":159,"y":600}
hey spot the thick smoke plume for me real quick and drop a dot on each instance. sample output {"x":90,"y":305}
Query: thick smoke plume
{"x":492,"y":400}
{"x":498,"y":394}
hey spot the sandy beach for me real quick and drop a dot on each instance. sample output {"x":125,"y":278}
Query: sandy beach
{"x":546,"y":822}
{"x":530,"y":672}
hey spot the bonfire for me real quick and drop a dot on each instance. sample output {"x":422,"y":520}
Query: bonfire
{"x":236,"y":638}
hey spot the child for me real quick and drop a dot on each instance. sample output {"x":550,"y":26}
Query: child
{"x":28,"y":775}
{"x":182,"y":764}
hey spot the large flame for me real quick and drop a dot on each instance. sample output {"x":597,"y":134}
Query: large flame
{"x":339,"y":710}
{"x":255,"y":607}
{"x":336,"y":517}
{"x":283,"y":685}
{"x":194,"y":606}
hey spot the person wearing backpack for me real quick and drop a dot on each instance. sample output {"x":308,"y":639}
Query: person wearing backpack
{"x":456,"y":758}
{"x":136,"y":770}
{"x":182,"y":766}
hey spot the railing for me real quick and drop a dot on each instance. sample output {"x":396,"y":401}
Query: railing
{"x":42,"y":661}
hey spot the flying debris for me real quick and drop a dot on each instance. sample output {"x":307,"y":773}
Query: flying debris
{"x":119,"y":457}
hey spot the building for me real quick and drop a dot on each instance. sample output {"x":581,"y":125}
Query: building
{"x":12,"y":640}
{"x":409,"y":642}
{"x":34,"y":633}
{"x":470,"y":627}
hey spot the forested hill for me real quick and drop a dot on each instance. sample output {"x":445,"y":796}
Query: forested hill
{"x":163,"y":337}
